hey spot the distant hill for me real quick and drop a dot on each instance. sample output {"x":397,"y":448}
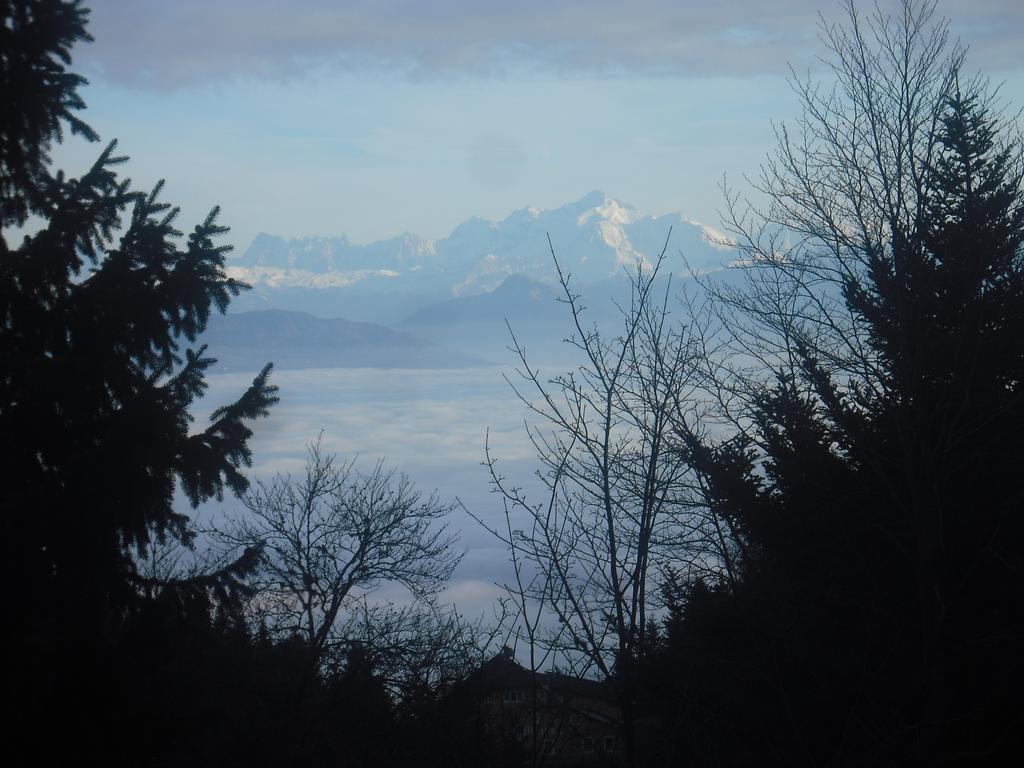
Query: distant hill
{"x":517,"y":298}
{"x":533,"y":310}
{"x":248,"y":340}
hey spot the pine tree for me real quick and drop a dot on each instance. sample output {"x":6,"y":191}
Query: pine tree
{"x":99,"y":311}
{"x":39,"y":97}
{"x":878,"y":614}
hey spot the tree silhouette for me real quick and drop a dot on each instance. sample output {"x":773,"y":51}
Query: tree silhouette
{"x":619,"y":503}
{"x":39,"y":97}
{"x":97,"y":308}
{"x":876,"y":618}
{"x":329,"y":538}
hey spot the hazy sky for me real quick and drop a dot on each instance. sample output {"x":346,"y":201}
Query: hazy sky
{"x":374,"y":117}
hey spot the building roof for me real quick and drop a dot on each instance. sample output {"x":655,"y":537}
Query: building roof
{"x":503,"y":672}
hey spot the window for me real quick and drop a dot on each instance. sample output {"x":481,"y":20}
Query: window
{"x":588,"y":744}
{"x":609,"y":743}
{"x":514,"y":696}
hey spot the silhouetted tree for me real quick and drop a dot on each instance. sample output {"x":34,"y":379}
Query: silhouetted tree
{"x":40,"y":97}
{"x":329,"y":538}
{"x":95,"y":389}
{"x":870,"y":483}
{"x":619,"y":502}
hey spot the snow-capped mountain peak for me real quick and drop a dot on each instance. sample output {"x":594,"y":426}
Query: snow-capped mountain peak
{"x":609,"y":210}
{"x":594,"y":238}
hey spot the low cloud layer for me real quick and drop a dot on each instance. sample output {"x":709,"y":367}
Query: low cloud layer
{"x":160,"y":44}
{"x":428,"y":424}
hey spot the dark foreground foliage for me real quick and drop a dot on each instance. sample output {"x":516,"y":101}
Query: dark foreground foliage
{"x":100,"y":307}
{"x":877,"y":615}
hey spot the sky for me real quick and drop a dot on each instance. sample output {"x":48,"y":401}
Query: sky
{"x":377,"y":117}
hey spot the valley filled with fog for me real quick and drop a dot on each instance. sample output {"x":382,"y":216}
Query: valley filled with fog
{"x":403,"y":350}
{"x":430,"y":424}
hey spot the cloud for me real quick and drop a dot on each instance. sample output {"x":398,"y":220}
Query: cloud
{"x":162,"y":44}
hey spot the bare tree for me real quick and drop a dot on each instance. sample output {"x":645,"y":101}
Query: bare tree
{"x":618,"y":502}
{"x":331,"y":537}
{"x":825,"y":300}
{"x":847,"y":182}
{"x":845,"y":191}
{"x":421,"y":651}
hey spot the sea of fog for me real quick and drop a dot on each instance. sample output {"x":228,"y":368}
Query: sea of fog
{"x":429,"y":424}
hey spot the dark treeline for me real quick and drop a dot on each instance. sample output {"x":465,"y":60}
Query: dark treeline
{"x":784,"y":524}
{"x":124,"y":648}
{"x":872,"y":610}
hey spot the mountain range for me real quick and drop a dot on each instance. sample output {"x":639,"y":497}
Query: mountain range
{"x":387,"y":281}
{"x":409,"y":302}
